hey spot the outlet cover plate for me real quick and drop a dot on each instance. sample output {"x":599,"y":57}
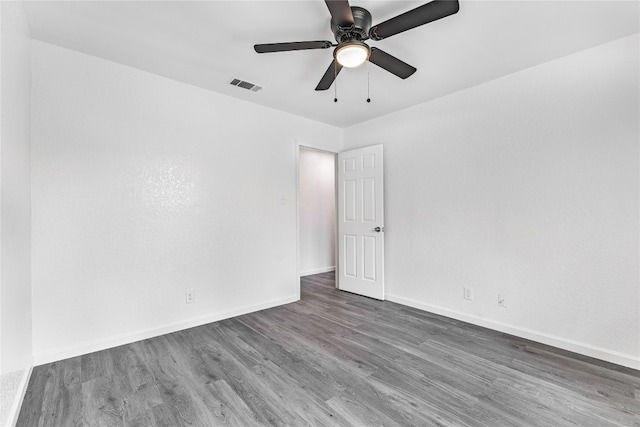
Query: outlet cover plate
{"x":190,"y":296}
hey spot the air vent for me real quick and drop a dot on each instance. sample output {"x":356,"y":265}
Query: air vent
{"x":245,"y":85}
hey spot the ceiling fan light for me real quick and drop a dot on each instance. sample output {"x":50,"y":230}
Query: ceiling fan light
{"x":352,"y":55}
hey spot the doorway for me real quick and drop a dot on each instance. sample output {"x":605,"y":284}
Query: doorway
{"x":316,"y":211}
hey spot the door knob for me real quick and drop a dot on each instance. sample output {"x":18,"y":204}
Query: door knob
{"x":378,"y":229}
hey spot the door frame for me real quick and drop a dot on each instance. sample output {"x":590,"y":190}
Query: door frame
{"x":311,"y":146}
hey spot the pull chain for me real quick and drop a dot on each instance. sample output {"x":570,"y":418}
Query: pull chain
{"x":335,"y":81}
{"x":368,"y":94}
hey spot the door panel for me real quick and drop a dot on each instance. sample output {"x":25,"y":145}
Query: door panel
{"x":350,"y":256}
{"x":350,"y":201}
{"x":361,"y":213}
{"x":369,"y":200}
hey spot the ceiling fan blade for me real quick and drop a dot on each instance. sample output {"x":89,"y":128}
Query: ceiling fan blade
{"x":390,"y":63}
{"x":340,"y":12}
{"x":421,"y":15}
{"x":284,"y":47}
{"x":329,"y":76}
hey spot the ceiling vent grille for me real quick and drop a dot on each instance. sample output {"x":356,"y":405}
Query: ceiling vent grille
{"x":245,"y":85}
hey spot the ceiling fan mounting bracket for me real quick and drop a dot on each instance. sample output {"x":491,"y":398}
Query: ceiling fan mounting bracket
{"x":358,"y":31}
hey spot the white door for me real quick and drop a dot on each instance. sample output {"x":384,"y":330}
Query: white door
{"x":361,"y":222}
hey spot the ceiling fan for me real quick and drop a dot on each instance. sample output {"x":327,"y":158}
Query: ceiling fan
{"x":351,"y":26}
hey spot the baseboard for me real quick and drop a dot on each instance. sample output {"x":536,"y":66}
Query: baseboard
{"x":554,"y":341}
{"x":103,"y":344}
{"x":14,"y":412}
{"x":317,"y":271}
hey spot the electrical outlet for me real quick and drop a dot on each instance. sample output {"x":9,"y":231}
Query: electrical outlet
{"x":502,"y":300}
{"x":468,"y":294}
{"x":190,"y":296}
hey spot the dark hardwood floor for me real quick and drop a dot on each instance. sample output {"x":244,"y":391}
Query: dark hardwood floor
{"x":333,"y":359}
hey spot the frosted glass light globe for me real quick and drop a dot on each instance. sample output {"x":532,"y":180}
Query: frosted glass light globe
{"x":352,"y":55}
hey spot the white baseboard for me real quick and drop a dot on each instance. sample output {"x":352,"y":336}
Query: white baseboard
{"x":554,"y":341}
{"x":115,"y":341}
{"x":317,"y":271}
{"x":14,"y":412}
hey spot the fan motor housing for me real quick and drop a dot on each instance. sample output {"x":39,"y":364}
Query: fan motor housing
{"x":360,"y":29}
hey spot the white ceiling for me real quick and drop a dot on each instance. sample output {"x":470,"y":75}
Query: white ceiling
{"x":206,"y":43}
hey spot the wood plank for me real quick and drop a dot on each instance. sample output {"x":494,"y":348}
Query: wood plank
{"x":102,"y":402}
{"x":31,"y":410}
{"x":333,"y":359}
{"x":62,"y":402}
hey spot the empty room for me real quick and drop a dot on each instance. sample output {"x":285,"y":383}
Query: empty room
{"x":320,"y":213}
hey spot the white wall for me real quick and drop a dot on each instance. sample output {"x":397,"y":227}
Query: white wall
{"x":144,"y":187}
{"x":15,"y":208}
{"x":527,"y":186}
{"x":317,"y":212}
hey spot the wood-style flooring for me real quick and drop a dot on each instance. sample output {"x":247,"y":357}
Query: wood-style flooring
{"x":333,"y":359}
